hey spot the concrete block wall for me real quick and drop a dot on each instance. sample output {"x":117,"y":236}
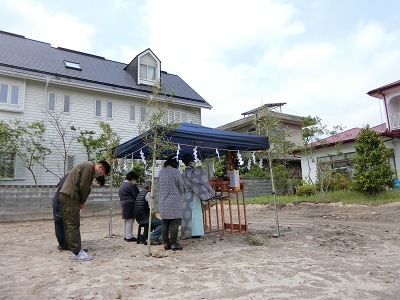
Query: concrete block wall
{"x":256,"y":186}
{"x":22,"y":203}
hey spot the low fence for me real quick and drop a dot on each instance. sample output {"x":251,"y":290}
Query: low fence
{"x":23,"y":203}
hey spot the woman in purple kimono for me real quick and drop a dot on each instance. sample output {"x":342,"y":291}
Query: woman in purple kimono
{"x":197,"y":188}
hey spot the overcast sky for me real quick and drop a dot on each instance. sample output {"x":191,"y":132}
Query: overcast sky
{"x":321,"y":57}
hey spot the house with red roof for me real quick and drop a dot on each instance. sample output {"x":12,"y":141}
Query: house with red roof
{"x":338,"y":151}
{"x":340,"y":157}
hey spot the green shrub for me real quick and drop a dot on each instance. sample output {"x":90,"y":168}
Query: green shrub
{"x":254,"y":240}
{"x":305,"y":190}
{"x":255,"y":171}
{"x":281,"y":175}
{"x":338,"y":182}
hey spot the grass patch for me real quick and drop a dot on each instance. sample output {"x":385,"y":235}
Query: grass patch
{"x":254,"y":240}
{"x":345,"y":196}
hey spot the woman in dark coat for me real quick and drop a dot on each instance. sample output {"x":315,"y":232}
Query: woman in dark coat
{"x":170,"y":190}
{"x":128,"y":192}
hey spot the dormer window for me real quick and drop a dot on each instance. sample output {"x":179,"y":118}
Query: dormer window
{"x":147,"y":72}
{"x":145,"y":68}
{"x":149,"y":67}
{"x":72,"y":65}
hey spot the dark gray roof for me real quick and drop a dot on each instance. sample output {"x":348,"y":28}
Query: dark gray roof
{"x":26,"y":56}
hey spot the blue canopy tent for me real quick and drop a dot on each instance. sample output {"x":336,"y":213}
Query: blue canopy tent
{"x":209,"y":142}
{"x":189,"y":135}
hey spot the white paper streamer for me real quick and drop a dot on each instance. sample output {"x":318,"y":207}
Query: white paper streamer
{"x":177,"y":152}
{"x":260,"y":163}
{"x":239,"y":156}
{"x":196,"y":160}
{"x":216,"y":150}
{"x":254,"y":158}
{"x":143,"y":158}
{"x":125,"y":164}
{"x":249,"y":164}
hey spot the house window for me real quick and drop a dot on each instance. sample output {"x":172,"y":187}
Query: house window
{"x":184,"y":117}
{"x":14,"y":94}
{"x":51,"y":105}
{"x":72,"y":65}
{"x":147,"y":72}
{"x":98,"y":108}
{"x":67,"y":103}
{"x":172,"y":116}
{"x":7,"y":163}
{"x":340,"y":162}
{"x":109,"y":109}
{"x":70,"y":162}
{"x":3,"y":93}
{"x":177,"y":117}
{"x":9,"y":94}
{"x":132,"y":112}
{"x":142,"y":114}
{"x":11,"y":166}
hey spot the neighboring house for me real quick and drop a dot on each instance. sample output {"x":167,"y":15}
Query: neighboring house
{"x":327,"y":152}
{"x":290,"y":123}
{"x":338,"y":150}
{"x":38,"y":81}
{"x":390,"y":94}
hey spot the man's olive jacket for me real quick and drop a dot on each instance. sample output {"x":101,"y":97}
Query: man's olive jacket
{"x":79,"y":181}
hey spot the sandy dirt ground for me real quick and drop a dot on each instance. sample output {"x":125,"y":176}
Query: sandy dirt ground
{"x":325,"y":251}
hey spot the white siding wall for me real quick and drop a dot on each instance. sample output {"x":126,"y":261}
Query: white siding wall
{"x":82,"y":117}
{"x":347,"y":148}
{"x":395,"y":144}
{"x":310,"y":166}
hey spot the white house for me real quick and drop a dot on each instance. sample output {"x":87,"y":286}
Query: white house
{"x":390,"y":94}
{"x":39,"y":82}
{"x":389,"y":131}
{"x":338,"y":150}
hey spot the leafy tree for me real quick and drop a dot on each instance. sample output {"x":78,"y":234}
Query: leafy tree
{"x":220,"y":166}
{"x":314,"y":133}
{"x":109,"y":139}
{"x":91,"y":144}
{"x":312,"y":130}
{"x":281,"y":175}
{"x":372,"y":173}
{"x":5,"y":133}
{"x":28,"y":143}
{"x":157,"y":123}
{"x":269,"y":124}
{"x":7,"y":150}
{"x":255,"y":171}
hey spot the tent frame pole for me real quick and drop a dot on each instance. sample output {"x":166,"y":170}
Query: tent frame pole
{"x":110,"y":234}
{"x":148,"y":249}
